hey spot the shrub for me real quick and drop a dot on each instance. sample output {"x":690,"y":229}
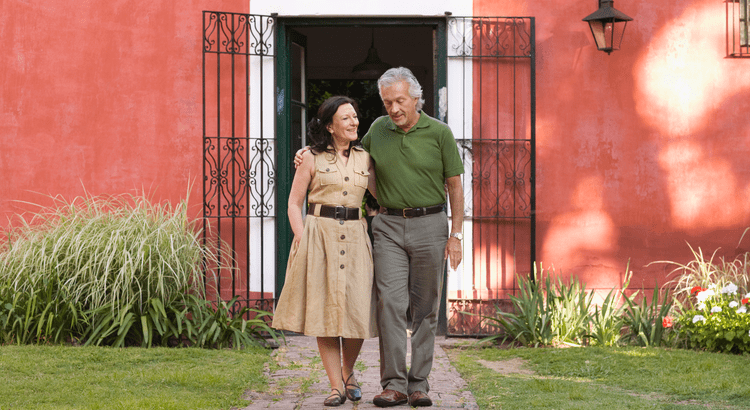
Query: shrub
{"x":646,"y":321}
{"x":718,"y":320}
{"x":711,"y":313}
{"x":544,"y":315}
{"x":116,"y":270}
{"x":704,"y":272}
{"x":606,"y":321}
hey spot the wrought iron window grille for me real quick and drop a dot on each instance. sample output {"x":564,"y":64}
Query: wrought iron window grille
{"x":738,"y":28}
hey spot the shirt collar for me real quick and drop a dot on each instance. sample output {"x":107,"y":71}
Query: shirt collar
{"x":421,"y":123}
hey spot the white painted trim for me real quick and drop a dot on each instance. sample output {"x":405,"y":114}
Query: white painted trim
{"x":460,"y":119}
{"x":338,"y":8}
{"x":262,"y":230}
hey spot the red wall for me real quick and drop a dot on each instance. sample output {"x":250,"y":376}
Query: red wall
{"x":638,"y":152}
{"x":642,"y":151}
{"x":104,"y":96}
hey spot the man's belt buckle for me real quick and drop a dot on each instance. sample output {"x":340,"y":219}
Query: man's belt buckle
{"x":339,"y":212}
{"x":403,"y":211}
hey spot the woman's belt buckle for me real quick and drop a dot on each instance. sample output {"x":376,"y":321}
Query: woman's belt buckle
{"x":339,"y":212}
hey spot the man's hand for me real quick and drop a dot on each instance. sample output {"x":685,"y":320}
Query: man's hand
{"x":454,"y":252}
{"x":298,"y":156}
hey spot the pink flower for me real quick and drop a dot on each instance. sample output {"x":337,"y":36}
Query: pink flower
{"x":667,"y":322}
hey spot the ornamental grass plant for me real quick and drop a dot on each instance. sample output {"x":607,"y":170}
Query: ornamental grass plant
{"x":706,"y":306}
{"x":703,"y":271}
{"x":114,"y":270}
{"x":546,"y":312}
{"x":645,"y":321}
{"x":712,"y":301}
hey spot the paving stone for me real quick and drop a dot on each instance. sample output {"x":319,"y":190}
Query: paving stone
{"x":300,"y":382}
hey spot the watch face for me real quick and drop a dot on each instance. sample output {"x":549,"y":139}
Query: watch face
{"x":458,"y":236}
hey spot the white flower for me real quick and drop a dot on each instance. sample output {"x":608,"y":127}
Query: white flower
{"x":733,"y":304}
{"x":698,"y":317}
{"x":730,"y":289}
{"x":716,"y":309}
{"x":742,"y":309}
{"x":701,"y":306}
{"x":702,"y":296}
{"x":748,"y":295}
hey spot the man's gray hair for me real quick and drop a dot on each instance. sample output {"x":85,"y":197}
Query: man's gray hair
{"x":398,"y":74}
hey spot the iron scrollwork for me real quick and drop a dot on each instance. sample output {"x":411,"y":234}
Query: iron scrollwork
{"x":489,"y":37}
{"x":499,"y":178}
{"x":233,"y":33}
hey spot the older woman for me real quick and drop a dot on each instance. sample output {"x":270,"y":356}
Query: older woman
{"x":328,"y":292}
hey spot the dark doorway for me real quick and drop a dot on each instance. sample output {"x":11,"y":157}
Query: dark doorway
{"x":333,"y":52}
{"x":364,"y":92}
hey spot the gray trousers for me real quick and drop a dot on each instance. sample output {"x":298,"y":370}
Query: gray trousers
{"x":409,"y":266}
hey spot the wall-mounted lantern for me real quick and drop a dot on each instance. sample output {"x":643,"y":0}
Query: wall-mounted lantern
{"x":607,"y":25}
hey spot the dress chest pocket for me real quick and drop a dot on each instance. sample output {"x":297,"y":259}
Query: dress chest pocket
{"x":329,"y":175}
{"x":361,"y":177}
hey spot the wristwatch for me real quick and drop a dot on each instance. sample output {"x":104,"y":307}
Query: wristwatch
{"x":457,"y":235}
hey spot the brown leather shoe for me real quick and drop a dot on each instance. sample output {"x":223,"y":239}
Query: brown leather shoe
{"x":390,"y":398}
{"x":419,"y":399}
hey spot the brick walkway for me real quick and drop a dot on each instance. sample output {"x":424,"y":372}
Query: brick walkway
{"x":298,"y":380}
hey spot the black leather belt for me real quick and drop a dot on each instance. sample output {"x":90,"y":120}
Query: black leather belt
{"x":335,"y":212}
{"x":414,"y":212}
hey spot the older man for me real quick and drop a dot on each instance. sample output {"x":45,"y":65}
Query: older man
{"x":415,"y":158}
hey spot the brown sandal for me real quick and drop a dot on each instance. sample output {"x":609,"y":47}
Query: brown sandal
{"x":335,"y":399}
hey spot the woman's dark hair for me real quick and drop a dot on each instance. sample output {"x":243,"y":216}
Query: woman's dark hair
{"x":320,"y":139}
{"x":370,"y":200}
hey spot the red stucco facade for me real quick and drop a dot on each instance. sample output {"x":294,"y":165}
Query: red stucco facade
{"x":638,"y":152}
{"x":101,"y":96}
{"x":642,"y":151}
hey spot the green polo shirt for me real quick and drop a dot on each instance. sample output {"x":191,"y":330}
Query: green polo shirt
{"x":412,"y":167}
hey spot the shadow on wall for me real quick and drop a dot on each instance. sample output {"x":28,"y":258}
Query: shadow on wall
{"x":644,"y":172}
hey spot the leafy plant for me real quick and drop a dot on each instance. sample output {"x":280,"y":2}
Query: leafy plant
{"x":116,"y":270}
{"x":718,"y":321}
{"x":645,"y":321}
{"x":703,"y":271}
{"x":570,"y":306}
{"x":543,"y":315}
{"x":607,"y":321}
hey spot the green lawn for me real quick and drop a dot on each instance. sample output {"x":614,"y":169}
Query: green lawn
{"x":606,"y":378}
{"x":64,"y":377}
{"x":59,"y":377}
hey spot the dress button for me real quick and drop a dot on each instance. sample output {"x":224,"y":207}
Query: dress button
{"x":328,"y":169}
{"x":346,"y":178}
{"x":341,"y":222}
{"x":343,"y":236}
{"x":346,"y":193}
{"x":342,"y":266}
{"x":343,"y":252}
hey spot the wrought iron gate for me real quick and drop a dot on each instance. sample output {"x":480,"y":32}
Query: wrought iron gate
{"x":492,"y":58}
{"x":489,"y":103}
{"x":239,"y":210}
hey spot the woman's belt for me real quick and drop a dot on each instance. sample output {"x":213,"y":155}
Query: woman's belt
{"x":335,"y":212}
{"x":414,"y":212}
